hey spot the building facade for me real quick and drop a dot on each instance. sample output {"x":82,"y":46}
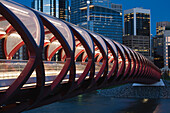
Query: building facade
{"x":137,"y":30}
{"x":105,"y":17}
{"x":162,"y":31}
{"x":161,"y":26}
{"x":137,"y":22}
{"x":56,"y":8}
{"x":138,"y":43}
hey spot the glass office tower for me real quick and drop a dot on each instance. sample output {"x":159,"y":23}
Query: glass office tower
{"x":158,"y":43}
{"x":137,"y":22}
{"x":137,"y":30}
{"x":105,"y":17}
{"x":56,"y":8}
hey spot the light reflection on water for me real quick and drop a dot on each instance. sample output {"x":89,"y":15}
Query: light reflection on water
{"x":94,"y":103}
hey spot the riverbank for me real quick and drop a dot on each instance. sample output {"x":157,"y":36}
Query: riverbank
{"x":128,"y":91}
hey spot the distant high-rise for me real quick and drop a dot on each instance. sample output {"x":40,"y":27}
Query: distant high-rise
{"x":161,"y":26}
{"x":158,"y":43}
{"x":105,"y":17}
{"x":137,"y":22}
{"x":137,"y":29}
{"x":56,"y":8}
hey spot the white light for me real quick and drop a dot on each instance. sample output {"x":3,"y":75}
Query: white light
{"x":80,"y":47}
{"x":47,"y":41}
{"x":69,"y":8}
{"x":56,"y":42}
{"x":47,"y":5}
{"x":97,"y":52}
{"x":79,"y":30}
{"x":88,"y":2}
{"x":2,"y":32}
{"x":54,"y":22}
{"x":145,"y":100}
{"x":17,"y":9}
{"x":15,"y":35}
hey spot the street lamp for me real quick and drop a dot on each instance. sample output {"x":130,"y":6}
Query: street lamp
{"x":151,"y":46}
{"x":69,"y":13}
{"x":88,"y":17}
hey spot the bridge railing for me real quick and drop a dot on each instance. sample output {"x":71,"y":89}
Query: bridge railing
{"x":41,"y":36}
{"x":11,"y":69}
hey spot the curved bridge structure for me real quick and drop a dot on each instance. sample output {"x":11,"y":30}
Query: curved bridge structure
{"x":86,"y":61}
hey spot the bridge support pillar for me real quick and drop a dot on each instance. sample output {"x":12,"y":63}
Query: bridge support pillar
{"x":157,"y":84}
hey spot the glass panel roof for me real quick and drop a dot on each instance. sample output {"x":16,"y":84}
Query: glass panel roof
{"x":86,"y":36}
{"x":63,"y":28}
{"x":27,"y":17}
{"x":112,"y":45}
{"x":101,"y":41}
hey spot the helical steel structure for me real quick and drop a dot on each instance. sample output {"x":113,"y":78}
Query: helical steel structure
{"x":86,"y":61}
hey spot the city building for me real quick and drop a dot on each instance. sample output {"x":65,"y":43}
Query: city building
{"x":138,"y":43}
{"x":158,"y":51}
{"x":161,"y":55}
{"x":56,"y":8}
{"x":137,"y":30}
{"x":161,"y":26}
{"x":22,"y":53}
{"x":105,"y":17}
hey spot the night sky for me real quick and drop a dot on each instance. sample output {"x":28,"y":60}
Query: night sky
{"x":160,"y":9}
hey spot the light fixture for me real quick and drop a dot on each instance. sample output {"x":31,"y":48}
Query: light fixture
{"x":88,"y":1}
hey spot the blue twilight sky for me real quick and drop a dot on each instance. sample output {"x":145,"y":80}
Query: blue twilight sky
{"x":159,"y":9}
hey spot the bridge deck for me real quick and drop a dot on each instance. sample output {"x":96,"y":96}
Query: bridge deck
{"x":11,"y":69}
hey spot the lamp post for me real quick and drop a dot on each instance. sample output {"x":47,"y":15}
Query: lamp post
{"x":88,"y":17}
{"x":69,"y":13}
{"x":150,"y":46}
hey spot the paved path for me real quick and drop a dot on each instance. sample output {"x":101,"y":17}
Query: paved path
{"x":128,"y":91}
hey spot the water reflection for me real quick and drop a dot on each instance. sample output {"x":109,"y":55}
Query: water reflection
{"x":142,"y":106}
{"x":94,"y":103}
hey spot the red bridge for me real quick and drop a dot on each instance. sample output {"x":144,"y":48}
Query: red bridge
{"x":86,"y":61}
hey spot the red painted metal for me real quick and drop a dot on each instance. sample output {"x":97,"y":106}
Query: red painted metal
{"x":138,"y":69}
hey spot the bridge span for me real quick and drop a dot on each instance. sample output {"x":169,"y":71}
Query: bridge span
{"x":63,"y":60}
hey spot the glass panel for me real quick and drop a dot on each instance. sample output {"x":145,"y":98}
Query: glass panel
{"x":27,"y":17}
{"x":110,"y":66}
{"x":52,"y":69}
{"x":127,"y":55}
{"x":98,"y":66}
{"x":63,"y":28}
{"x":121,"y":49}
{"x":53,"y":65}
{"x":12,"y":41}
{"x":86,"y":36}
{"x":9,"y":71}
{"x":80,"y":66}
{"x":101,"y":41}
{"x":112,"y":45}
{"x":119,"y":61}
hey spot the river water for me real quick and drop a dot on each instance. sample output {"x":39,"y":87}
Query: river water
{"x":95,"y":103}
